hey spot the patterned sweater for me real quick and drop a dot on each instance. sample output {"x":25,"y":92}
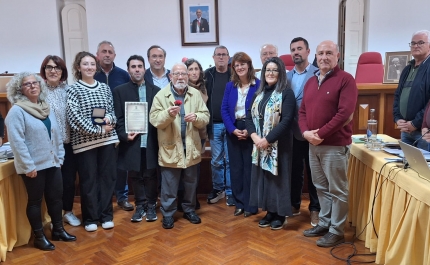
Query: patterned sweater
{"x":82,"y":98}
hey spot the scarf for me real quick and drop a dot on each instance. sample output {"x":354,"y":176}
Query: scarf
{"x":38,"y":110}
{"x":267,"y":158}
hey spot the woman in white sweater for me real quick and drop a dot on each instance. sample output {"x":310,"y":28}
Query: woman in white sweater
{"x":92,"y":120}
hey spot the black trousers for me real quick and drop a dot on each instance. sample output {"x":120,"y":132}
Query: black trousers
{"x":300,"y":156}
{"x":144,"y":182}
{"x":69,"y":170}
{"x":239,"y":153}
{"x":97,"y":177}
{"x":48,"y":182}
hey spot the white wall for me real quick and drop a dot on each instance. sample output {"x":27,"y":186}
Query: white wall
{"x":392,"y":23}
{"x":28,"y":32}
{"x":135,"y":25}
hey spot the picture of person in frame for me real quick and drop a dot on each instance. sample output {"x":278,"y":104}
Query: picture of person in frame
{"x":397,"y":63}
{"x":198,"y":23}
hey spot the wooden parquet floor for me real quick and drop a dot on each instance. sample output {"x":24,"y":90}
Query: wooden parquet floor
{"x":221,"y":238}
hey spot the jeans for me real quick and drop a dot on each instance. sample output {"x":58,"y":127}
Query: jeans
{"x":121,"y":185}
{"x":220,"y":162}
{"x":410,"y":138}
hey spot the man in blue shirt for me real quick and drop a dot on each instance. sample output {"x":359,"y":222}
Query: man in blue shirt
{"x":298,"y":77}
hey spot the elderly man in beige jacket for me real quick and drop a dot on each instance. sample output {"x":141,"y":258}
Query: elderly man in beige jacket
{"x":178,"y":112}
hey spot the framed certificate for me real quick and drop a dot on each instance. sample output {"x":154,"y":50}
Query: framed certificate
{"x":136,"y":117}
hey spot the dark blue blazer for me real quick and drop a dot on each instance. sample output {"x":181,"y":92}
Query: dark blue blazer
{"x":229,"y":102}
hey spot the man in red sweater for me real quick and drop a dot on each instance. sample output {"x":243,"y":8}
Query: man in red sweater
{"x":325,"y":119}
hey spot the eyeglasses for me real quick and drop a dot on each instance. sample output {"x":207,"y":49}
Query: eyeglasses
{"x":269,"y":53}
{"x":221,"y":54}
{"x":272,"y":71}
{"x":50,"y":67}
{"x":30,"y":84}
{"x":177,"y":74}
{"x":239,"y":65}
{"x":419,"y":44}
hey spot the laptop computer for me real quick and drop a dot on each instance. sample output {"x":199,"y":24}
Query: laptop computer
{"x":415,"y":159}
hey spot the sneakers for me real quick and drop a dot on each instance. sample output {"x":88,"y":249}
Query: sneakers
{"x":215,"y":195}
{"x":108,"y":224}
{"x":192,"y":217}
{"x":278,"y":223}
{"x":167,"y":222}
{"x":71,"y":219}
{"x":138,"y":214}
{"x":230,"y":201}
{"x":126,"y":206}
{"x":91,"y":227}
{"x":265,"y":222}
{"x":330,"y":240}
{"x":315,"y":231}
{"x":295,"y":211}
{"x":151,"y":214}
{"x":315,"y":218}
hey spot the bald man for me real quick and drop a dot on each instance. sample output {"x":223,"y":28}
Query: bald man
{"x":325,"y":120}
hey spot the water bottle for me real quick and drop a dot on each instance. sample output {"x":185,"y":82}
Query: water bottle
{"x":372,"y":129}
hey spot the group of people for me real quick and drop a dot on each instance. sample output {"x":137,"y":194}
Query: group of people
{"x":264,"y":129}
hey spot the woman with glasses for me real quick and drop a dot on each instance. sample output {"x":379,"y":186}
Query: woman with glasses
{"x":92,"y":120}
{"x":237,"y":98}
{"x":53,"y":70}
{"x":37,"y":145}
{"x":269,"y":122}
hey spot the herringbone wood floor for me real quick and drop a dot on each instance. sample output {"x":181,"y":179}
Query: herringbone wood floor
{"x":221,"y":238}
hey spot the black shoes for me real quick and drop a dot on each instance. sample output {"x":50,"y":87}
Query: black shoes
{"x":238,"y":212}
{"x":278,"y":222}
{"x":330,"y":240}
{"x":41,"y":242}
{"x":126,"y":206}
{"x":265,"y":222}
{"x":59,"y":234}
{"x":167,"y":222}
{"x":151,"y":214}
{"x":247,"y":214}
{"x":192,"y":217}
{"x":315,"y":231}
{"x":139,"y":214}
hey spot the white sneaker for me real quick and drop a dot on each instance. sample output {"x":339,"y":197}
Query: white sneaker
{"x":108,"y":225}
{"x":71,"y":219}
{"x":91,"y":227}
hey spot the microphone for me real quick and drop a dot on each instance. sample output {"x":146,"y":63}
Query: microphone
{"x":421,"y":137}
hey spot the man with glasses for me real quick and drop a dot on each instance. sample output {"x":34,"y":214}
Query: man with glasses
{"x":178,"y":112}
{"x":413,"y":92}
{"x":267,"y":51}
{"x":216,"y":79}
{"x":301,"y":73}
{"x":113,"y":76}
{"x":157,"y":74}
{"x":325,"y":120}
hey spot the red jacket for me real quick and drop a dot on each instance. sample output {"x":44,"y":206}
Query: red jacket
{"x":329,"y":106}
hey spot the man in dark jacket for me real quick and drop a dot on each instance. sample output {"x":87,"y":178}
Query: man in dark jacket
{"x":114,"y":76}
{"x":138,"y":151}
{"x":413,"y":92}
{"x":200,"y":24}
{"x":216,"y":78}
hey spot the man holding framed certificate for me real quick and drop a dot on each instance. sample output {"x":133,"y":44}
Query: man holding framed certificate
{"x":138,"y":146}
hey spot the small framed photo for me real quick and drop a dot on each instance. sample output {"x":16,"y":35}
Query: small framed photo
{"x":136,"y":117}
{"x":394,"y":64}
{"x":199,"y":22}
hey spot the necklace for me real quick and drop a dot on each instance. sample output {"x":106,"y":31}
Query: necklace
{"x":261,"y":106}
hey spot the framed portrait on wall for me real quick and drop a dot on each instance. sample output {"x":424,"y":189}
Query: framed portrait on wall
{"x":394,"y":64}
{"x":199,"y":22}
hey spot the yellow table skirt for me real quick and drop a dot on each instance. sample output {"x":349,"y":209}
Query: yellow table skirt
{"x":401,"y":213}
{"x":15,"y":229}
